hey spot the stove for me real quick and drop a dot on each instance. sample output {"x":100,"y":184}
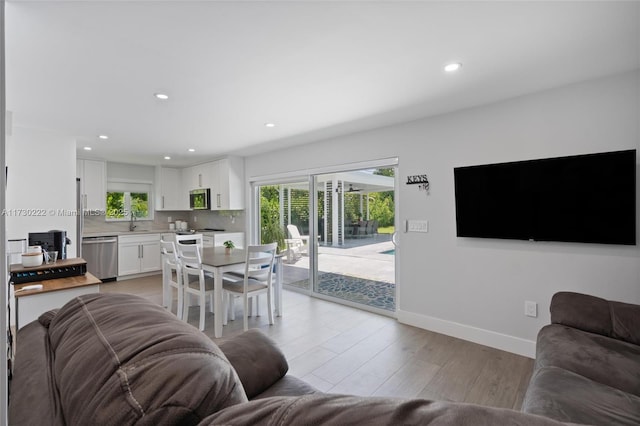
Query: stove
{"x":199,"y":231}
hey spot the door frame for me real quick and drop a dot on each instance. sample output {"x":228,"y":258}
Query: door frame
{"x":253,"y":219}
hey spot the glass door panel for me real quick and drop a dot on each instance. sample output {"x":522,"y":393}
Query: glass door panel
{"x":356,"y":221}
{"x":284,"y":217}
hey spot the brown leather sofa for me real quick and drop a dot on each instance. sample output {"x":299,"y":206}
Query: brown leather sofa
{"x":116,"y":359}
{"x":587,"y":367}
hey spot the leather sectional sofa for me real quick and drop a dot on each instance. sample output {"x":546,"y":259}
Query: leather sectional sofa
{"x":116,"y":359}
{"x":587,"y":367}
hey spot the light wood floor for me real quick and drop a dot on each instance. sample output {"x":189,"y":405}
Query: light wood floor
{"x":340,"y":349}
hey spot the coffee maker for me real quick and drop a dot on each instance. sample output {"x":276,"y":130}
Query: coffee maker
{"x":52,"y":240}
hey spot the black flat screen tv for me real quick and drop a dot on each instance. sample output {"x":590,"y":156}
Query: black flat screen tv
{"x":583,"y":198}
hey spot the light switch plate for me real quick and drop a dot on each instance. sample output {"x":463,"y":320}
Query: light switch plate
{"x":414,"y":225}
{"x":530,"y":309}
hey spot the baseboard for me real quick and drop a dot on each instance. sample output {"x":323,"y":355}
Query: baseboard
{"x":133,"y":276}
{"x":500,"y":341}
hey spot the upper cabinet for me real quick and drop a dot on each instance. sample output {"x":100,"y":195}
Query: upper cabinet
{"x":227,"y":185}
{"x":93,"y":183}
{"x":224,"y":177}
{"x":170,"y":193}
{"x":197,"y":177}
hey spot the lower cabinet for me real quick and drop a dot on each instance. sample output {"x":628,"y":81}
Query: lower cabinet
{"x":138,"y":254}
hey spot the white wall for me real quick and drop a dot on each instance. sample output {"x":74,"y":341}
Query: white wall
{"x":476,"y":288}
{"x":41,"y":180}
{"x":130,"y":172}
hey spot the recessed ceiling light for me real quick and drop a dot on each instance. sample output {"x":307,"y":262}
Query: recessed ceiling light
{"x":453,"y":67}
{"x":166,"y":157}
{"x":269,"y":125}
{"x":87,"y":148}
{"x":191,"y":150}
{"x":105,"y":137}
{"x":162,"y":96}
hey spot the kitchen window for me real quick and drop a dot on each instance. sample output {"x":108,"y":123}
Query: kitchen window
{"x":122,"y":204}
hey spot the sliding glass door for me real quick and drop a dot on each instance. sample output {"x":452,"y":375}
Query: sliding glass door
{"x":334,"y":231}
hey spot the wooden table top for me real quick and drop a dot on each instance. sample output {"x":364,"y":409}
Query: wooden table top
{"x":217,"y":256}
{"x":74,"y":261}
{"x":57,"y":284}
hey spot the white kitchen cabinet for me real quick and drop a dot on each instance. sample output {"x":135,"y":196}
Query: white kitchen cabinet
{"x":198,"y":177}
{"x":170,"y":193}
{"x":93,"y":183}
{"x":208,"y":241}
{"x":168,"y":237}
{"x":138,"y":253}
{"x":227,"y":184}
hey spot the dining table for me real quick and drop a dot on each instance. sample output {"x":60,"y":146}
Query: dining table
{"x":219,"y":260}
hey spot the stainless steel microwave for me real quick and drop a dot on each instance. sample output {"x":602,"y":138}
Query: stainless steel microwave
{"x":200,"y":199}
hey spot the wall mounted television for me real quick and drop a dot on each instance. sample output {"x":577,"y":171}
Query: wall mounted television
{"x":583,"y":198}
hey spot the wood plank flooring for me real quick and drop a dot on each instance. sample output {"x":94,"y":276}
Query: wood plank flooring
{"x":339,"y":349}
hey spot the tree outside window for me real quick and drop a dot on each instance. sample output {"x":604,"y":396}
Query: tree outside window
{"x":122,"y":205}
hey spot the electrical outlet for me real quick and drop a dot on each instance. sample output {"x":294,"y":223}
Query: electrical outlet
{"x":417,"y":225}
{"x":169,"y":219}
{"x":531,"y":309}
{"x":195,"y":219}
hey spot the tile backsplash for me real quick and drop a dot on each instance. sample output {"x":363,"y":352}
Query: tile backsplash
{"x":233,"y":220}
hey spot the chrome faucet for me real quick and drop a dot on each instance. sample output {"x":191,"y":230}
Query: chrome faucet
{"x":131,"y":225}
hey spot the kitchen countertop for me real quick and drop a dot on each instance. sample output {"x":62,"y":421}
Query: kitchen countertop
{"x":144,"y":232}
{"x":116,"y":233}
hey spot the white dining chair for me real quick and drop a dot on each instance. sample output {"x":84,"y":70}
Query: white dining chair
{"x":198,"y":238}
{"x":195,"y":282}
{"x":170,"y":263}
{"x":256,"y":279}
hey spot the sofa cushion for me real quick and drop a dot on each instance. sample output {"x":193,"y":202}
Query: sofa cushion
{"x":593,"y":314}
{"x":609,"y":361}
{"x":33,"y":391}
{"x":567,"y":396}
{"x":288,"y":386}
{"x":582,"y":311}
{"x":257,"y":360}
{"x":120,"y":359}
{"x":370,"y":411}
{"x":625,"y":319}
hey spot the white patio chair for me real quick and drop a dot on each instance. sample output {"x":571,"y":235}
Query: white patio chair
{"x":296,"y":244}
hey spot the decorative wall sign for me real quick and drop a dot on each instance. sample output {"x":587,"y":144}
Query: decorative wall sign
{"x":420,"y":180}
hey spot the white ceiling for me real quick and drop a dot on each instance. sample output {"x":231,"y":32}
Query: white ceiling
{"x":315,"y":69}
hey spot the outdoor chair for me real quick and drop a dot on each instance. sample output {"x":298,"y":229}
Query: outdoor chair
{"x":362,"y":228}
{"x":296,"y":243}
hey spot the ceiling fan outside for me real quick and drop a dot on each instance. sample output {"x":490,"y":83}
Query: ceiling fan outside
{"x":352,"y":189}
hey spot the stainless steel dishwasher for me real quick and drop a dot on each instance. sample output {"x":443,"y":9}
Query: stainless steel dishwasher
{"x":101,"y":254}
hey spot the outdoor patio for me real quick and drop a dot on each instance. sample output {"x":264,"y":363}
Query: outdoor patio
{"x":360,"y":271}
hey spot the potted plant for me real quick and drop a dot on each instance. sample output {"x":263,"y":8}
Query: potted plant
{"x":228,"y":246}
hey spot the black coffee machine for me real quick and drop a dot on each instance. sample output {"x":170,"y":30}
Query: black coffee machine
{"x":52,"y":240}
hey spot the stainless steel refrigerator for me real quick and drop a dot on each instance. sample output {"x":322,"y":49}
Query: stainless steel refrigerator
{"x":79,"y":218}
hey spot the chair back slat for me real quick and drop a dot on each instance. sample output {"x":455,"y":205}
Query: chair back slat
{"x":189,"y":255}
{"x":169,"y":252}
{"x":198,"y":238}
{"x":259,"y":262}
